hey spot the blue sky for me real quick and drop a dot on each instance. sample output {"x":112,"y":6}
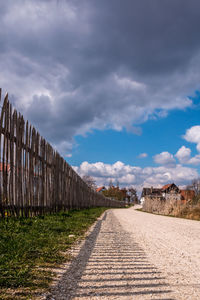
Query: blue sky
{"x":159,"y":135}
{"x":112,"y":85}
{"x":163,"y":134}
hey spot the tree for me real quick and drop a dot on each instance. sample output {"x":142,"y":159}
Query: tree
{"x":116,"y":193}
{"x":132,"y":192}
{"x":89,"y":180}
{"x":110,"y":183}
{"x":195,"y":186}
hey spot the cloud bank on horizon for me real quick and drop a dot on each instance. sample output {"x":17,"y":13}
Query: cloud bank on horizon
{"x":137,"y":177}
{"x":168,"y":171}
{"x":75,"y":66}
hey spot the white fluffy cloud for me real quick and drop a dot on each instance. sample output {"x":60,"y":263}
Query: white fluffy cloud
{"x":195,"y":160}
{"x":142,"y":155}
{"x":184,"y":156}
{"x":168,"y":171}
{"x":165,"y":158}
{"x":193,"y":135}
{"x":128,"y":175}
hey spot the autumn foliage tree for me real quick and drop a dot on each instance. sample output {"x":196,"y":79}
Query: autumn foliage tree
{"x":116,"y":193}
{"x":123,"y":194}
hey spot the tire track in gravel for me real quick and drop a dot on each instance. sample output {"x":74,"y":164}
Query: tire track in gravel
{"x":111,"y":265}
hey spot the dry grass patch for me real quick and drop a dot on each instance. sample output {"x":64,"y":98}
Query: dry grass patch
{"x":190,"y":212}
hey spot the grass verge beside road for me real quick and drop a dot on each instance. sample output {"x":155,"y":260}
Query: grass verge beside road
{"x":29,"y":247}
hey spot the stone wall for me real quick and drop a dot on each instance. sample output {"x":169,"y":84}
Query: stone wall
{"x":161,"y":205}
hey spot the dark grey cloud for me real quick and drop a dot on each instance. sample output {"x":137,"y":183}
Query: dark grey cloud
{"x":148,"y":36}
{"x":78,"y":65}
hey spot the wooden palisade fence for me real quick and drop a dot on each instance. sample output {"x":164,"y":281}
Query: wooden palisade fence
{"x":34,"y":178}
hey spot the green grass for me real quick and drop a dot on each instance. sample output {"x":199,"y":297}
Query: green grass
{"x":30,"y":247}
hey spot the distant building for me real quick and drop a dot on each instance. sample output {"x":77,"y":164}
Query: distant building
{"x":100,"y":189}
{"x":168,"y":192}
{"x":187,"y":195}
{"x":154,"y":192}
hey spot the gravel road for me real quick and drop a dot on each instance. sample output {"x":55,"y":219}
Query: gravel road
{"x":129,"y":254}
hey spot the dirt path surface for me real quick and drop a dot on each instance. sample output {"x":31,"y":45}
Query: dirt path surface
{"x":134,"y":255}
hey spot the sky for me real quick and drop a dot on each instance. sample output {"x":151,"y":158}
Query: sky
{"x":113,"y":85}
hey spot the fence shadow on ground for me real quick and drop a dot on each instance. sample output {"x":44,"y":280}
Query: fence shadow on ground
{"x":111,"y":264}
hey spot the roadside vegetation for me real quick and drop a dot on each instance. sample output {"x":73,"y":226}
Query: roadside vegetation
{"x":122,"y":194}
{"x":190,"y":211}
{"x":114,"y":191}
{"x":31,"y":247}
{"x":187,"y":211}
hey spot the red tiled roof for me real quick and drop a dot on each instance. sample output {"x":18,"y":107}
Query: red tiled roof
{"x":187,"y":194}
{"x":166,"y":186}
{"x":99,"y":189}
